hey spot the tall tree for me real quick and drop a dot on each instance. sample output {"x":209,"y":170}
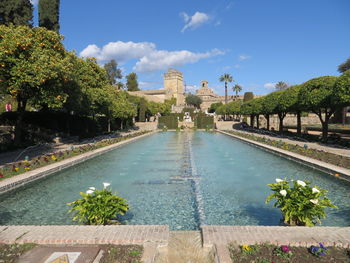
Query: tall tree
{"x":32,"y":68}
{"x":49,"y":13}
{"x":344,"y":66}
{"x":193,"y":100}
{"x":237,"y":88}
{"x":113,"y":72}
{"x":226,"y":78}
{"x":17,"y":12}
{"x":131,"y":82}
{"x":281,"y":85}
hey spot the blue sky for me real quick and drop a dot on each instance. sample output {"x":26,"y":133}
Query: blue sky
{"x":258,"y":42}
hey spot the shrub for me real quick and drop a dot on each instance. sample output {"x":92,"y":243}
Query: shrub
{"x":170,"y":121}
{"x":300,"y":204}
{"x":98,"y":207}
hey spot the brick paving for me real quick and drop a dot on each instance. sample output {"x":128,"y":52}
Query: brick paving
{"x":91,"y":235}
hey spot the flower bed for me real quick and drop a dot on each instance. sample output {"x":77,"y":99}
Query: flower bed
{"x":20,"y":167}
{"x":320,"y":155}
{"x":266,"y":253}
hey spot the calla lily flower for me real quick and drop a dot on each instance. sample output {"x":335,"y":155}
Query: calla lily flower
{"x":105,"y":185}
{"x":283,"y":192}
{"x":301,"y":183}
{"x":279,"y":180}
{"x":92,"y":188}
{"x":89,"y":192}
{"x":314,"y":201}
{"x":315,"y":190}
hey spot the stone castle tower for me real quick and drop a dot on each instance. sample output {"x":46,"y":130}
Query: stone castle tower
{"x":174,"y":87}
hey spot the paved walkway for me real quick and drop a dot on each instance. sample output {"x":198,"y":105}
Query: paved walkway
{"x":314,"y":145}
{"x":49,"y":148}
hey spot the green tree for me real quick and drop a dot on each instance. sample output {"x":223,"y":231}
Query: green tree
{"x":318,"y":95}
{"x":17,"y":12}
{"x":342,"y":89}
{"x":234,"y":107}
{"x":131,"y":82}
{"x":281,"y":85}
{"x":268,"y":106}
{"x":113,"y":72}
{"x":294,"y":106}
{"x":237,"y":88}
{"x":193,"y":100}
{"x":226,"y":78}
{"x":214,"y":106}
{"x":142,"y":110}
{"x":23,"y":52}
{"x":248,"y":96}
{"x":49,"y":13}
{"x":344,"y":66}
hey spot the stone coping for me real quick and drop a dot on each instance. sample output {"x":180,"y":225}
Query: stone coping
{"x":88,"y":235}
{"x":27,"y":177}
{"x":313,"y":163}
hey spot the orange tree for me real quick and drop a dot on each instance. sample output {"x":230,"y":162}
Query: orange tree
{"x":31,"y":66}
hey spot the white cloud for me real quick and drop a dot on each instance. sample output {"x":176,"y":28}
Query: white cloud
{"x":34,"y":2}
{"x":243,"y":57}
{"x":163,"y":59}
{"x":121,"y":51}
{"x":270,"y":85}
{"x":149,"y":58}
{"x":194,"y":21}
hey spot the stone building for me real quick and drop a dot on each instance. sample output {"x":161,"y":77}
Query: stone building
{"x":209,"y":97}
{"x":173,"y":87}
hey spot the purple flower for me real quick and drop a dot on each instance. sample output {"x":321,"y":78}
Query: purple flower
{"x":321,"y":246}
{"x":285,"y":249}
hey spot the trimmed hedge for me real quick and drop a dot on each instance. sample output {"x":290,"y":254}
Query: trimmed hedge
{"x":170,"y":121}
{"x":204,"y":122}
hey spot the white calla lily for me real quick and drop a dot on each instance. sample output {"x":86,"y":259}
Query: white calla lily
{"x":279,"y":180}
{"x":315,"y":190}
{"x":105,"y":185}
{"x":283,"y":192}
{"x":89,"y":192}
{"x":92,"y":188}
{"x":301,"y":183}
{"x":314,"y":201}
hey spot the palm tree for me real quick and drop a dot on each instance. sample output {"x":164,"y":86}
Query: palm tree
{"x":281,"y":85}
{"x":226,"y":78}
{"x":237,"y":88}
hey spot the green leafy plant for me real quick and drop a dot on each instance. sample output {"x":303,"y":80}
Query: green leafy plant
{"x":98,"y":207}
{"x":300,"y":204}
{"x":249,"y":250}
{"x":283,"y":252}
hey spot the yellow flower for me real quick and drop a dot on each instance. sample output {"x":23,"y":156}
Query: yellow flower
{"x":27,"y":168}
{"x":246,"y":248}
{"x":16,"y":169}
{"x":53,"y":157}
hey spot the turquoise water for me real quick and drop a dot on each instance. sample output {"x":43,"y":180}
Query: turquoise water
{"x":179,"y":179}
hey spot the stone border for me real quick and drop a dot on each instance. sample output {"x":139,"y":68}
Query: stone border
{"x":316,"y":164}
{"x":28,"y":177}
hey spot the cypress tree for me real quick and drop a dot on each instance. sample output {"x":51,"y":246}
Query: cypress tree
{"x":17,"y":12}
{"x":49,"y":12}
